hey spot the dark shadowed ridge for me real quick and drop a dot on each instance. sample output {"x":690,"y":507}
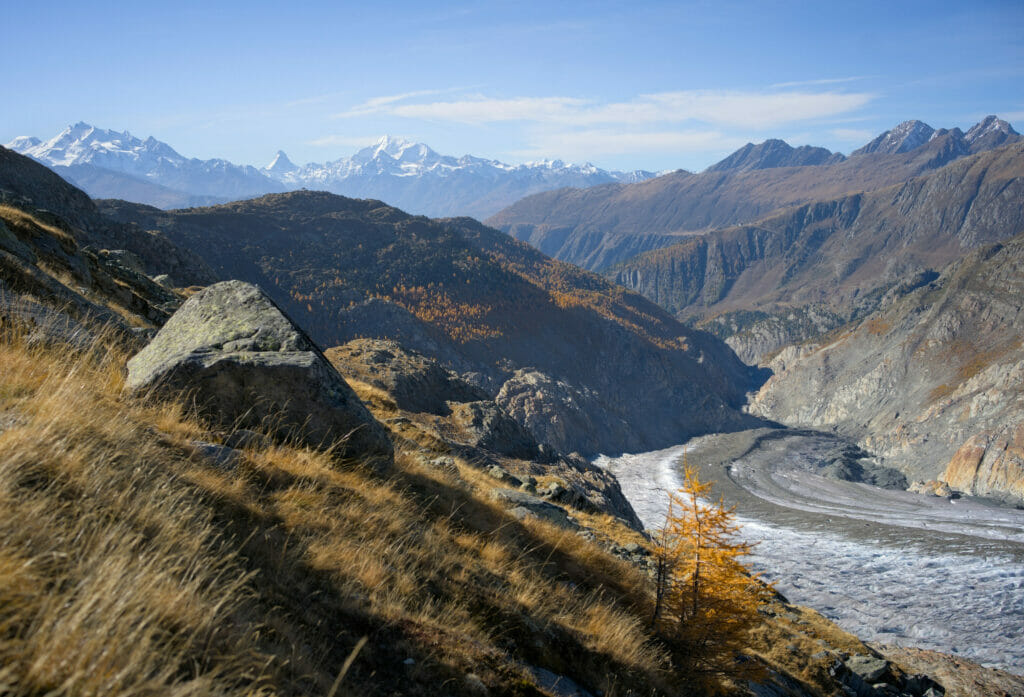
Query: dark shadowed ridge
{"x":485,"y":305}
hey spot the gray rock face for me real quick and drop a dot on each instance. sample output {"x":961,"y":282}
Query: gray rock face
{"x":556,"y":412}
{"x":233,"y":351}
{"x":933,"y":384}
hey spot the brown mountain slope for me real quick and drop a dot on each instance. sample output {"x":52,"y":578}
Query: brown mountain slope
{"x":839,"y":256}
{"x":934,"y":383}
{"x":596,"y":228}
{"x":586,"y":365}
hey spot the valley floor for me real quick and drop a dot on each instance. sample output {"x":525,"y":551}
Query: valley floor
{"x":889,"y":566}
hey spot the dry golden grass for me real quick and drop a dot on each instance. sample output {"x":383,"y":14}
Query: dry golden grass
{"x":114,"y":578}
{"x":130,"y":565}
{"x":25,"y":224}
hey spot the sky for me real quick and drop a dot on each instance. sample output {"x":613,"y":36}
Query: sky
{"x":623,"y":85}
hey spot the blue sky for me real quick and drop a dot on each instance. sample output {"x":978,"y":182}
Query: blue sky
{"x":651,"y":85}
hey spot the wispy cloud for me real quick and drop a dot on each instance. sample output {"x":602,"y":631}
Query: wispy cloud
{"x":377,"y":105}
{"x":596,"y":143}
{"x":757,"y":110}
{"x":823,"y":81}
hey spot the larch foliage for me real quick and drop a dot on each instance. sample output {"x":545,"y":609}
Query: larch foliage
{"x":706,"y":599}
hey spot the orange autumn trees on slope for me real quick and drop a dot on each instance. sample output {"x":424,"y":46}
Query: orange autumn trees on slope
{"x":705,"y":597}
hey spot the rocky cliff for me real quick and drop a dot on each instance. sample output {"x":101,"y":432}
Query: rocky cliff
{"x":839,"y":258}
{"x":604,"y":225}
{"x":933,"y":383}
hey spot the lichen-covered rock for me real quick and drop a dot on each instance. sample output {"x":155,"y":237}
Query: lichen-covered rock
{"x":244,"y":363}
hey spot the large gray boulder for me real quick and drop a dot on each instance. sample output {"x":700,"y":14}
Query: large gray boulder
{"x":233,"y":351}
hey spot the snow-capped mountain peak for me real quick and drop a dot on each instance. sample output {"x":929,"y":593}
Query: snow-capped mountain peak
{"x":22,"y":143}
{"x":903,"y":138}
{"x":82,"y":143}
{"x":988,"y":126}
{"x":280,"y":164}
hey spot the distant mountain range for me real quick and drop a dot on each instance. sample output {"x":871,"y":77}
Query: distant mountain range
{"x":411,"y":176}
{"x":599,"y":227}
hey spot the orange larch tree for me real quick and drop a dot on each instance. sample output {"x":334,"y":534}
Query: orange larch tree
{"x":706,"y":599}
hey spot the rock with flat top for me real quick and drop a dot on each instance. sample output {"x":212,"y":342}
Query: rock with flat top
{"x":233,"y":351}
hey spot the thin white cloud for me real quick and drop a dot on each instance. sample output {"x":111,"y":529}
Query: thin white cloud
{"x":823,"y":81}
{"x":380,"y":104}
{"x":757,"y":110}
{"x":480,"y":111}
{"x":580,"y":145}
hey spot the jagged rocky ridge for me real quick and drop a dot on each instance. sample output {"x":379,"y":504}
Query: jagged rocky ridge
{"x":933,"y":383}
{"x":601,"y":226}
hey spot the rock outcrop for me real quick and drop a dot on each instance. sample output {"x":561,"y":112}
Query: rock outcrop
{"x":245,"y":363}
{"x":556,"y":412}
{"x":989,"y":464}
{"x":449,"y":412}
{"x":415,"y":382}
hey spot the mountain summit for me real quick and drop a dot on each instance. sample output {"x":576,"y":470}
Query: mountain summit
{"x":417,"y":179}
{"x":905,"y":137}
{"x":990,"y":132}
{"x":280,"y":165}
{"x":112,"y":164}
{"x":775,"y":153}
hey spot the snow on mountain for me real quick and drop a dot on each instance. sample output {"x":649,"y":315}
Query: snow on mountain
{"x":417,"y":179}
{"x":905,"y":137}
{"x":92,"y":152}
{"x":405,"y":174}
{"x":280,"y":165}
{"x":989,"y":133}
{"x":23,"y":143}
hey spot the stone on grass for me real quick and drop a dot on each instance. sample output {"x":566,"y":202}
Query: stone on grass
{"x":234,"y":353}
